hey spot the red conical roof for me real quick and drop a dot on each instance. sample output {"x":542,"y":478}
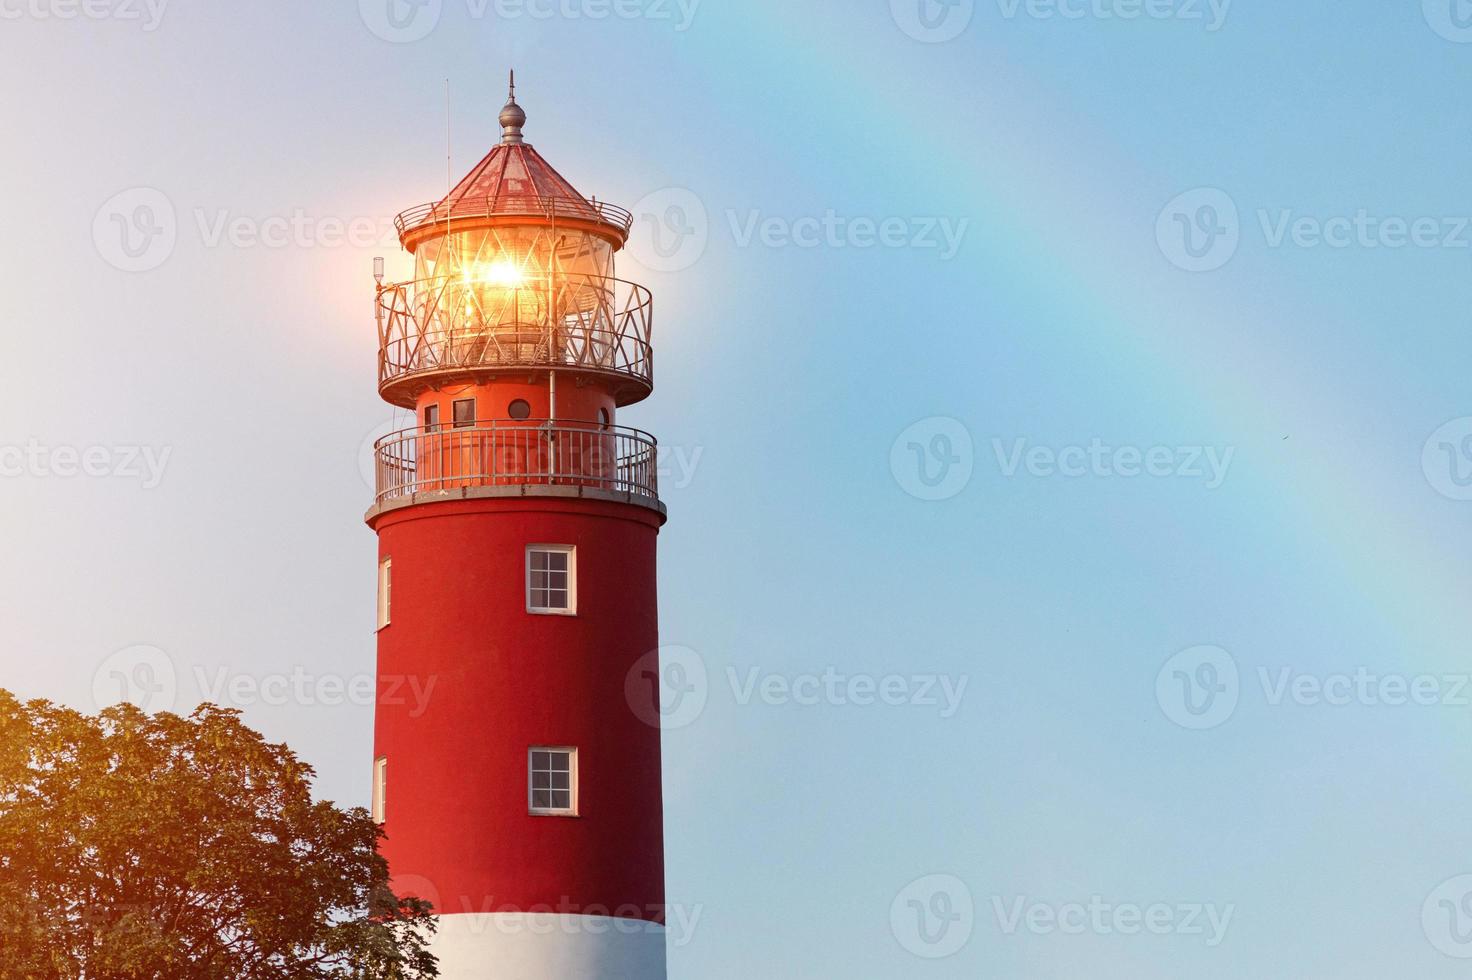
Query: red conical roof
{"x":513,"y":179}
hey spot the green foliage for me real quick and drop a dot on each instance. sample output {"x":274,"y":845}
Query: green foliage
{"x":135,"y":847}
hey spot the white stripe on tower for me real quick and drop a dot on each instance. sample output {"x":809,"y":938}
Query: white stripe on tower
{"x":547,"y":946}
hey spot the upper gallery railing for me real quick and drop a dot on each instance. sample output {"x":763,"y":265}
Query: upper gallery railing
{"x":549,"y":208}
{"x":450,"y":325}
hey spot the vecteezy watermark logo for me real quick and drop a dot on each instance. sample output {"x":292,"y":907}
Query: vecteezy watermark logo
{"x":143,"y":463}
{"x":1446,"y":917}
{"x":1452,"y":19}
{"x":1101,"y":918}
{"x":135,"y":230}
{"x":671,"y":229}
{"x":401,"y":21}
{"x":831,"y":230}
{"x":1199,"y":231}
{"x":1284,"y":226}
{"x":933,"y":459}
{"x":1446,"y":459}
{"x":307,"y":689}
{"x":1364,"y":687}
{"x":150,"y":13}
{"x":1207,"y":463}
{"x":680,"y":13}
{"x":932,"y":21}
{"x":405,"y":21}
{"x":143,"y":676}
{"x":1213,"y":13}
{"x":414,"y":886}
{"x":295,"y":230}
{"x":487,"y":914}
{"x":676,"y":465}
{"x":933,"y":917}
{"x":367,"y":449}
{"x":667,"y":688}
{"x":1199,"y":688}
{"x":836,"y":689}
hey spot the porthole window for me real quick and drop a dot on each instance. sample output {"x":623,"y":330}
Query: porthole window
{"x":519,"y":409}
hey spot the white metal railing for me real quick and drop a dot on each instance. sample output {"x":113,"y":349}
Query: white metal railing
{"x":531,"y":452}
{"x":447,"y":324}
{"x":531,"y":206}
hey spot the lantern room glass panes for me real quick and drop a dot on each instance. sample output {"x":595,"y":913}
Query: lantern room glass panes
{"x":523,"y":256}
{"x":516,"y":295}
{"x":550,"y":571}
{"x":552,"y":781}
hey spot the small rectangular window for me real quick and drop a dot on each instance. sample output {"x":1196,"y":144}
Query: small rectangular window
{"x":464,"y":413}
{"x":431,"y":418}
{"x":380,"y":790}
{"x":552,"y":782}
{"x":385,"y":590}
{"x":551,"y":579}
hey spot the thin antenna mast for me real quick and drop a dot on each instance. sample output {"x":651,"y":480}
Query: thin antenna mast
{"x":449,"y":167}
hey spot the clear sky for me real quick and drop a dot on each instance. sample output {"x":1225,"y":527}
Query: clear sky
{"x":1162,"y":453}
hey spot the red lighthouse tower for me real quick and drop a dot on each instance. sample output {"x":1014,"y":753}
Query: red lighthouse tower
{"x":516,"y":523}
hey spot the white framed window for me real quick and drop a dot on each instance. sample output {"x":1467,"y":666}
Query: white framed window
{"x":552,"y":781}
{"x":380,"y":790}
{"x":385,"y":590}
{"x":552,"y":579}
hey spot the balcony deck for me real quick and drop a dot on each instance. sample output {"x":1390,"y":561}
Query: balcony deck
{"x":529,"y":458}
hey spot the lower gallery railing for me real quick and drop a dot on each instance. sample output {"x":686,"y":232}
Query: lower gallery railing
{"x":491,"y":454}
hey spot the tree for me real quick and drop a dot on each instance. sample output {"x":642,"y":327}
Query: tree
{"x":136,"y":846}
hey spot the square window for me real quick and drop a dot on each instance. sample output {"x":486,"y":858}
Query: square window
{"x":551,"y":579}
{"x":552,"y":782}
{"x":385,"y":591}
{"x":464,"y":413}
{"x":380,"y":790}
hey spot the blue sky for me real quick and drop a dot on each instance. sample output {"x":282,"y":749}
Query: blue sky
{"x":1096,"y":754}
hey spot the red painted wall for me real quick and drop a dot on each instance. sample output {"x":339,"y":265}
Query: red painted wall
{"x":504,"y":680}
{"x":574,"y":403}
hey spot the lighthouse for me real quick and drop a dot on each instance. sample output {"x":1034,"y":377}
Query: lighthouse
{"x":516,"y":522}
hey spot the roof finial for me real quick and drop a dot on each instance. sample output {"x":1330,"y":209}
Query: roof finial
{"x":512,"y":117}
